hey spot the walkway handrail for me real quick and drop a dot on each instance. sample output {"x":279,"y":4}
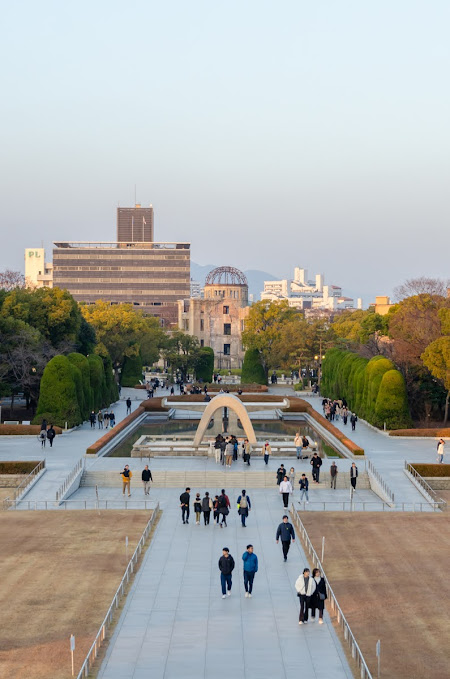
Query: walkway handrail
{"x":341,"y":619}
{"x":426,"y":486}
{"x":23,"y":485}
{"x":101,"y":634}
{"x":380,"y":480}
{"x":78,"y":469}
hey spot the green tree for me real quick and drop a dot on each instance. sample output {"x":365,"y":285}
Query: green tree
{"x":82,"y":363}
{"x":97,"y":381}
{"x":436,"y":357}
{"x":181,"y":351}
{"x":263,"y":329}
{"x":58,"y":401}
{"x":392,"y":403}
{"x":252,"y":368}
{"x":204,"y":364}
{"x":132,"y":371}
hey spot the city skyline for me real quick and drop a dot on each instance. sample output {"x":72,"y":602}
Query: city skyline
{"x":264,"y":136}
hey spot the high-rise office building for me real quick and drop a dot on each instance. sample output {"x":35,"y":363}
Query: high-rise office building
{"x":135,"y":224}
{"x":151,"y":276}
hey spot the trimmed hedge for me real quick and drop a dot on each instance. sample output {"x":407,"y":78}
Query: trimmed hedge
{"x":131,"y":371}
{"x":374,"y":389}
{"x":433,"y":470}
{"x":18,"y":467}
{"x":82,"y":363}
{"x":24,"y":429}
{"x":245,"y":398}
{"x":257,"y":388}
{"x":205,"y":364}
{"x":252,"y":368}
{"x":58,"y":395}
{"x":97,"y":375}
{"x":432,"y":433}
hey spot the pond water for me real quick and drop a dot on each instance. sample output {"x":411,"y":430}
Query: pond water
{"x":274,"y":429}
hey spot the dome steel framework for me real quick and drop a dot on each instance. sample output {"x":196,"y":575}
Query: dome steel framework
{"x":226,"y":275}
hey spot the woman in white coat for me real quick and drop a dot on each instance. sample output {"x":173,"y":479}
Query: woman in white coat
{"x":305,"y":586}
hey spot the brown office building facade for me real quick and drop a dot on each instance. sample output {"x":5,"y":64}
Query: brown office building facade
{"x":151,"y":276}
{"x":135,"y":224}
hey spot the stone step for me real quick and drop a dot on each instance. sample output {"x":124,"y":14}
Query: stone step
{"x":213,"y":479}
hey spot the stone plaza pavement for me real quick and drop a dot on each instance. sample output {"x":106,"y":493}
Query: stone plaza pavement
{"x":176,"y":624}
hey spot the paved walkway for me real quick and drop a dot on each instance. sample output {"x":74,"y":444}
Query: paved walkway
{"x":176,"y":624}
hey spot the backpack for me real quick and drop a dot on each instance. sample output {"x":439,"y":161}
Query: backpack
{"x":243,"y":503}
{"x":222,"y":501}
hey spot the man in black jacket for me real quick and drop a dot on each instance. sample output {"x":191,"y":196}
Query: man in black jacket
{"x":185,"y":499}
{"x":226,"y":567}
{"x":316,"y":464}
{"x":146,"y":478}
{"x":285,"y":531}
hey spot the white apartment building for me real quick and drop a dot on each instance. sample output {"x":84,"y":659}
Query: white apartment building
{"x":302,"y":293}
{"x":38,"y":272}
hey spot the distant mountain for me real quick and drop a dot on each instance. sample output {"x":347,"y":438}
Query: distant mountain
{"x":255,"y":278}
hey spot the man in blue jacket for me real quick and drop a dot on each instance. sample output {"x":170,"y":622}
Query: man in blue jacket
{"x":250,"y":568}
{"x":285,"y":531}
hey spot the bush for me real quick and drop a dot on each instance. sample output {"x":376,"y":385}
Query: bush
{"x":258,"y":388}
{"x":432,"y":433}
{"x":110,"y":388}
{"x":18,"y":467}
{"x":436,"y":470}
{"x":97,"y":377}
{"x":205,"y":364}
{"x":131,"y":371}
{"x":392,"y":404}
{"x":82,"y":363}
{"x":25,"y":429}
{"x":58,"y":395}
{"x":252,"y":368}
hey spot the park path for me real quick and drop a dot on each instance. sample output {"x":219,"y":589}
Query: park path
{"x":176,"y":624}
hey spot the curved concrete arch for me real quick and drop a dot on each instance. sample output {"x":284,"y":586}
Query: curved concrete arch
{"x":225,"y":401}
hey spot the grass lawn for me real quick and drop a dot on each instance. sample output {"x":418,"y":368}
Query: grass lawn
{"x":390,"y":575}
{"x":59,"y":571}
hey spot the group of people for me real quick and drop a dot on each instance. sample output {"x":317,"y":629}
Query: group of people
{"x":227,"y":450}
{"x":219,"y":506}
{"x":106,"y":418}
{"x":47,"y":433}
{"x":127,"y":475}
{"x":337,"y":408}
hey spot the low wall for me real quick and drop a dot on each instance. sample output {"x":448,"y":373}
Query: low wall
{"x":11,"y":480}
{"x":438,"y":483}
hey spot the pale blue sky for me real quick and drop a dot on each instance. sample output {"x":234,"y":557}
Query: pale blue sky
{"x":269,"y":134}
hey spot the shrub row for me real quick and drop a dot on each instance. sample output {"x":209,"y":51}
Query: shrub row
{"x":106,"y":438}
{"x":436,"y":470}
{"x":252,"y":368}
{"x":245,"y":398}
{"x":19,"y":467}
{"x":23,"y":429}
{"x":373,"y":389}
{"x":298,"y":405}
{"x":131,"y":371}
{"x":252,"y":387}
{"x":437,"y":433}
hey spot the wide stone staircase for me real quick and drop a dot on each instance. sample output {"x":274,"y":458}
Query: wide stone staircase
{"x":214,"y":479}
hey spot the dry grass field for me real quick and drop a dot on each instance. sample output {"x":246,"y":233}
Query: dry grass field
{"x":390,"y":575}
{"x":58,"y":573}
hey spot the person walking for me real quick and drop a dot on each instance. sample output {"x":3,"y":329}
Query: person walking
{"x":305,"y":586}
{"x":126,"y":480}
{"x":185,"y":499}
{"x":316,"y":463}
{"x":100,"y":419}
{"x":292,"y":477}
{"x":112,"y":419}
{"x":250,"y":569}
{"x":319,"y":596}
{"x":217,"y":448}
{"x":353,"y":420}
{"x":43,"y":437}
{"x":333,"y":474}
{"x":92,"y":419}
{"x":247,"y":451}
{"x":216,"y":513}
{"x":304,"y":485}
{"x":285,"y":491}
{"x":51,"y":433}
{"x":344,"y":414}
{"x":197,"y":508}
{"x":440,"y":450}
{"x":128,"y":405}
{"x":224,"y":508}
{"x":298,"y":445}
{"x":353,"y":475}
{"x":229,"y":451}
{"x":207,"y":506}
{"x":266,"y":451}
{"x":244,"y":506}
{"x":146,"y":478}
{"x":280,"y":474}
{"x":285,"y":531}
{"x":226,"y":568}
{"x":305,"y":446}
{"x":106,"y":420}
{"x":44,"y":425}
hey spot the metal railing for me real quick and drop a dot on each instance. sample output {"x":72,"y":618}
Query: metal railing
{"x":101,"y":634}
{"x":335,"y":608}
{"x":434,"y":497}
{"x":21,"y":489}
{"x":44,"y":505}
{"x":76,"y":471}
{"x":380,"y":480}
{"x":371,"y":506}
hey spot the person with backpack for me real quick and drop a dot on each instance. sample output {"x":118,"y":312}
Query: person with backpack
{"x":280,"y":474}
{"x":305,"y":446}
{"x":316,"y":463}
{"x":51,"y":433}
{"x":207,"y":506}
{"x":304,"y":485}
{"x":223,"y":508}
{"x":226,"y":567}
{"x":128,"y":402}
{"x":197,"y":508}
{"x":244,"y":506}
{"x":126,"y":479}
{"x":42,"y":437}
{"x":250,"y":569}
{"x":216,"y":514}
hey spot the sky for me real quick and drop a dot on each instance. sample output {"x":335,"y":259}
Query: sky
{"x":268,"y":134}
